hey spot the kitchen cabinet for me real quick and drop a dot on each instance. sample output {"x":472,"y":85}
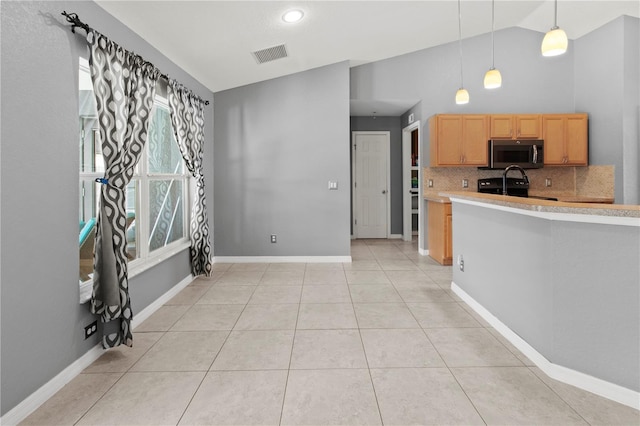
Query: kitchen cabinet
{"x":566,"y":139}
{"x":515,"y":126}
{"x":439,"y":222}
{"x":459,"y":139}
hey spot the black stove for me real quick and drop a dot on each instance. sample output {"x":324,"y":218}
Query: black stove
{"x":515,"y":187}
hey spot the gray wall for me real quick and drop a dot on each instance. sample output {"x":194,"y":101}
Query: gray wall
{"x":392,"y":125}
{"x":557,"y":285}
{"x":609,"y":91}
{"x":277,"y":145}
{"x":42,"y":322}
{"x":531,"y":83}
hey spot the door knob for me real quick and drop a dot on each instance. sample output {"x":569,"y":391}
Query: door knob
{"x":384,"y":191}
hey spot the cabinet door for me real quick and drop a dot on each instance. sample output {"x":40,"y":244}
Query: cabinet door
{"x":449,"y":140}
{"x":439,"y":222}
{"x":448,"y":236}
{"x":475,"y":137}
{"x":553,"y":131}
{"x":576,"y":140}
{"x":528,"y":126}
{"x":501,"y":126}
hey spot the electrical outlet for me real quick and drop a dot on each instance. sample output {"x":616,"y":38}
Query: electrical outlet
{"x":90,"y":329}
{"x":461,"y":262}
{"x":430,"y":183}
{"x":547,"y":182}
{"x":465,"y":183}
{"x":274,"y":239}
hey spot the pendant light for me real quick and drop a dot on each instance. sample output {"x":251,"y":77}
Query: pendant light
{"x":555,"y":41}
{"x":492,"y":79}
{"x":462,"y":96}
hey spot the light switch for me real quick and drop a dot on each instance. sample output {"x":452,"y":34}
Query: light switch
{"x":333,"y":184}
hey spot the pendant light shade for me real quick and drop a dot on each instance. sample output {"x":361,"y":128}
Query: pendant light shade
{"x":493,"y":78}
{"x":555,"y":42}
{"x":462,"y":96}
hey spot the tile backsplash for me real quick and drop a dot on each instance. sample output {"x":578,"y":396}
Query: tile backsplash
{"x":590,"y":181}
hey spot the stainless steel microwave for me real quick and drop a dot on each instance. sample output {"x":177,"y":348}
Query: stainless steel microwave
{"x":526,"y":153}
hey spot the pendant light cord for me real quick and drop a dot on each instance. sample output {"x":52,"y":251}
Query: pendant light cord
{"x":460,"y":42}
{"x":555,"y":15}
{"x":493,"y":28}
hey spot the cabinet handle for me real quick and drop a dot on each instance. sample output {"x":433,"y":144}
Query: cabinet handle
{"x":384,"y":191}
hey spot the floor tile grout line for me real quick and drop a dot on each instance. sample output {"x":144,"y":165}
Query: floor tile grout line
{"x":557,"y":394}
{"x":204,"y":376}
{"x":128,"y":370}
{"x":293,"y":343}
{"x":406,"y":302}
{"x":101,"y":396}
{"x":446,"y":365}
{"x":206,"y":373}
{"x":364,"y":352}
{"x":466,"y":394}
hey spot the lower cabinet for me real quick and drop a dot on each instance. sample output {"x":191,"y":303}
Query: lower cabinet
{"x":439,"y":222}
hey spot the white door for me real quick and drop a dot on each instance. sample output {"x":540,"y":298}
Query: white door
{"x":370,"y":184}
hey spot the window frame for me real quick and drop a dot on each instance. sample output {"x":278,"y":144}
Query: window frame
{"x":145,"y":258}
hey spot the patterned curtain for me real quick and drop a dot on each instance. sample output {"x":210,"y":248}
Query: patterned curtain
{"x":124,"y":86}
{"x":187,"y":116}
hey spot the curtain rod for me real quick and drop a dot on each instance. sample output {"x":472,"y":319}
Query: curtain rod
{"x":75,"y":22}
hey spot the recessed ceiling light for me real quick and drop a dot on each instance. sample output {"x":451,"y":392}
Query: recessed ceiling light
{"x":292,"y":16}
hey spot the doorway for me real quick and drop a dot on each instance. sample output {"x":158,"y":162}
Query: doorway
{"x":371,"y":183}
{"x":411,"y":181}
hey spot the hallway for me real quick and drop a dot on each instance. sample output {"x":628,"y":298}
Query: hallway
{"x":382,"y":340}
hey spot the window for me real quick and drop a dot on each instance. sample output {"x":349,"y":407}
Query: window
{"x":156,"y":198}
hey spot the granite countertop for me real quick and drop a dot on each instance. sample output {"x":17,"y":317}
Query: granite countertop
{"x":570,"y":198}
{"x":533,"y":204}
{"x":436,"y":198}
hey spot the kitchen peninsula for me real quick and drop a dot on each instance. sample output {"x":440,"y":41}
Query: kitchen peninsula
{"x":560,"y":280}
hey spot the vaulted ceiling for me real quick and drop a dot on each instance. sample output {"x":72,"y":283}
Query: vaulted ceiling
{"x":214,"y":40}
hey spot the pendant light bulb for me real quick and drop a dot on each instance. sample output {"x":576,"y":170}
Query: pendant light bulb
{"x":492,"y":79}
{"x":462,"y":96}
{"x":555,"y":42}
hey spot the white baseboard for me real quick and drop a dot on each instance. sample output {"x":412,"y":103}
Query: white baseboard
{"x":396,"y":236}
{"x":46,"y":391}
{"x":282,"y":259}
{"x":563,"y":374}
{"x":423,"y":252}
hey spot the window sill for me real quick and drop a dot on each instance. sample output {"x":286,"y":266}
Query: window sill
{"x":86,"y":288}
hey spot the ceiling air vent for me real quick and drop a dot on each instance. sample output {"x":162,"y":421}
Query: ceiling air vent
{"x":270,"y":54}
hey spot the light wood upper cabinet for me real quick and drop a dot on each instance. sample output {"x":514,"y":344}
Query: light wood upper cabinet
{"x":565,"y":139}
{"x":459,"y":139}
{"x":515,"y":126}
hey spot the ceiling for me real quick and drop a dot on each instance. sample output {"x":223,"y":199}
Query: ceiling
{"x":214,"y":40}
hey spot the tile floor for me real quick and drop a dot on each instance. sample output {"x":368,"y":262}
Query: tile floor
{"x":382,"y":340}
